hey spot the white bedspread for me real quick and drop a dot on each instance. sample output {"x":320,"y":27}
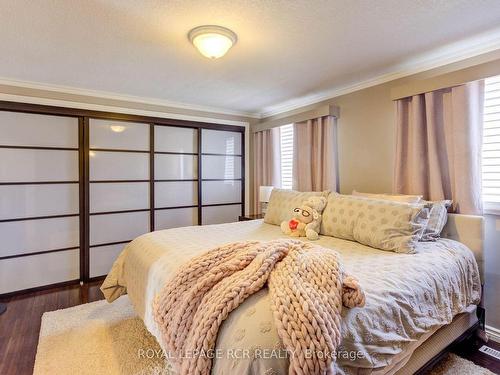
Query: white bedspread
{"x":407,"y":295}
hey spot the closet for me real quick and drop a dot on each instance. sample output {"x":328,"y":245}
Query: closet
{"x":39,"y":200}
{"x":119,"y":204}
{"x":76,"y":186}
{"x":222,"y":183}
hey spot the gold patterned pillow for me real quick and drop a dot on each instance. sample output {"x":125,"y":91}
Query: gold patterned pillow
{"x":282,"y":202}
{"x":382,"y":224}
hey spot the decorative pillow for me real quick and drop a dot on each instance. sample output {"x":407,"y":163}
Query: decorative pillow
{"x":282,"y":202}
{"x":382,"y":224}
{"x":437,"y":220}
{"x":390,"y":197}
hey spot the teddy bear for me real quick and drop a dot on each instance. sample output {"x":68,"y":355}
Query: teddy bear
{"x":306,"y":219}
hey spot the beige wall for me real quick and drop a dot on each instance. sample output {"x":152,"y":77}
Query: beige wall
{"x":366,"y":142}
{"x":366,"y":126}
{"x":11,"y":92}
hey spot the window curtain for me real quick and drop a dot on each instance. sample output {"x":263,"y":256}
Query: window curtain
{"x":438,"y":146}
{"x":267,"y":170}
{"x":315,"y":154}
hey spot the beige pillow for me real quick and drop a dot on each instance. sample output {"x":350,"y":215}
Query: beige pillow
{"x":390,"y":197}
{"x":282,"y":202}
{"x":382,"y":224}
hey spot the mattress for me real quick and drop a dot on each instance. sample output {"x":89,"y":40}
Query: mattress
{"x":408,"y":296}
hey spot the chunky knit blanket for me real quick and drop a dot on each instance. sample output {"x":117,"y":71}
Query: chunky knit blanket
{"x":307,"y":288}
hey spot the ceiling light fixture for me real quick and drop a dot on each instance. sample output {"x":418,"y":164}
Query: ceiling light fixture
{"x":117,"y":128}
{"x":212,"y":41}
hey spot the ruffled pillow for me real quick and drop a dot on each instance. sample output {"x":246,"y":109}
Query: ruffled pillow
{"x":437,"y":220}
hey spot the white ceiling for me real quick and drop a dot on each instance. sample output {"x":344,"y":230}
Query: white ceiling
{"x":287,"y":49}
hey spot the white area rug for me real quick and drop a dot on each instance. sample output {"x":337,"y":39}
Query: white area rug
{"x":97,"y":338}
{"x":102,"y":338}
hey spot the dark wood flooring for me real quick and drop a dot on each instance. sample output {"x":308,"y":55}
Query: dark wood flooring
{"x":20,"y":325}
{"x":471,"y":352}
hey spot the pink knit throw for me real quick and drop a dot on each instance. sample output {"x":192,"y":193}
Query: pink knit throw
{"x":307,"y":288}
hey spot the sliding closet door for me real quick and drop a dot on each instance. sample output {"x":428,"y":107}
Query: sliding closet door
{"x":119,"y":188}
{"x":222,"y":182}
{"x":39,"y":200}
{"x":176,"y":177}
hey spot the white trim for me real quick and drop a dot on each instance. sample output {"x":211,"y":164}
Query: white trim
{"x":131,"y":111}
{"x":493,"y":333}
{"x":491,"y":211}
{"x":451,"y":53}
{"x":122,"y":97}
{"x":491,"y":208}
{"x":454,"y":52}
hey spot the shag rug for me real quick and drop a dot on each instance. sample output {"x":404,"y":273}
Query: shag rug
{"x":103,"y":338}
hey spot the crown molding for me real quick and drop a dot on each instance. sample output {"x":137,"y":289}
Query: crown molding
{"x":451,"y":53}
{"x":124,"y":110}
{"x":122,"y":97}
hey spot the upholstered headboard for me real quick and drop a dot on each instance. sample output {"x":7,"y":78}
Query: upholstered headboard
{"x":469,"y":230}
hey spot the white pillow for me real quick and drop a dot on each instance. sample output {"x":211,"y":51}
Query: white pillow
{"x":437,"y":220}
{"x":382,"y":224}
{"x":282,"y":202}
{"x":390,"y":197}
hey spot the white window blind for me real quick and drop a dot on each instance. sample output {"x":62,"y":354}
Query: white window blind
{"x":286,"y":140}
{"x":491,"y":141}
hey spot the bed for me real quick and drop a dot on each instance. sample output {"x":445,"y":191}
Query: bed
{"x":416,"y":304}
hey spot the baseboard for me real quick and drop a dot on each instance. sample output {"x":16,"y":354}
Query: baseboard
{"x":493,"y":333}
{"x":39,"y":288}
{"x":96,"y":278}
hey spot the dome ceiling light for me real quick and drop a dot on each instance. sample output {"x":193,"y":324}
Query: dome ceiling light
{"x":212,"y":41}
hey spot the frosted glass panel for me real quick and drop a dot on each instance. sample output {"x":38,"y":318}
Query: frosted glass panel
{"x":119,"y":196}
{"x":227,"y":167}
{"x":220,"y":142}
{"x":170,"y":194}
{"x":102,"y":258}
{"x":175,"y":139}
{"x":175,"y":167}
{"x":214,"y":192}
{"x":20,"y":201}
{"x":220,"y":214}
{"x":37,"y":270}
{"x":17,"y":165}
{"x":26,"y":129}
{"x":20,"y":237}
{"x":118,"y":166}
{"x":178,"y":217}
{"x":119,"y":135}
{"x":118,"y":227}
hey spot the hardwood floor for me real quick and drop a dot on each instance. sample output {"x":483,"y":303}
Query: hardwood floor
{"x":472,"y":353}
{"x":20,"y":325}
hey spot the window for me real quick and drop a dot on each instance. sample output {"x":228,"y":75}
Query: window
{"x":491,"y":142}
{"x":286,"y":143}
